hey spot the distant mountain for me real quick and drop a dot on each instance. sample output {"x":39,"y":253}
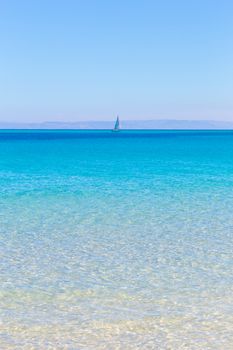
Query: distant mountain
{"x":125,"y":124}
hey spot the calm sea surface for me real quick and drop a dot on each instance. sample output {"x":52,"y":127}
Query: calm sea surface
{"x":116,"y":240}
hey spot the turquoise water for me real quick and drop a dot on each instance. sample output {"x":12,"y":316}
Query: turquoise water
{"x":116,"y":240}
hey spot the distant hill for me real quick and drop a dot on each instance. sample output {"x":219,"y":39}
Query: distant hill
{"x":125,"y":124}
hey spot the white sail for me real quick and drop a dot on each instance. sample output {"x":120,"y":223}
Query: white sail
{"x":117,"y":124}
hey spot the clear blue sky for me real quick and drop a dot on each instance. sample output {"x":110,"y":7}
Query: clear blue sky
{"x":91,"y":59}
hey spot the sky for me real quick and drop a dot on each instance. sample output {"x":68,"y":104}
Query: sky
{"x":75,"y":60}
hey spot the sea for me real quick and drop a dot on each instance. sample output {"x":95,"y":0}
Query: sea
{"x":116,"y":240}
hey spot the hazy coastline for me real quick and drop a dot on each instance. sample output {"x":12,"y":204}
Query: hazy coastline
{"x":166,"y":124}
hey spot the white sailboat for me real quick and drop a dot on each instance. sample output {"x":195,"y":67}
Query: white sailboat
{"x":117,"y":125}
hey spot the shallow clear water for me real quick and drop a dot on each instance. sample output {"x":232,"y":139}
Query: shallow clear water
{"x":116,"y":241}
